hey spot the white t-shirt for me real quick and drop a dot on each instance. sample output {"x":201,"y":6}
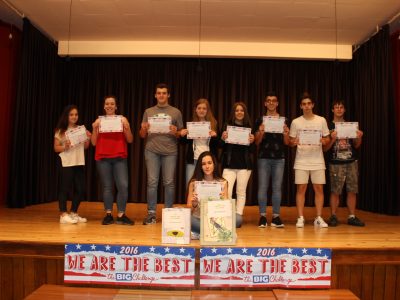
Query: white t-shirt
{"x":309,"y":157}
{"x":73,"y":156}
{"x":200,"y":146}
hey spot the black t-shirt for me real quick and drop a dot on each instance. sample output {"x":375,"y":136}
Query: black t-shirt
{"x":271,"y":146}
{"x":342,"y":151}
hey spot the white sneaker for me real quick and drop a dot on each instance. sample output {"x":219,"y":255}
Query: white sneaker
{"x":194,"y":235}
{"x":67,"y":219}
{"x":300,"y":222}
{"x":78,"y":218}
{"x":319,"y":222}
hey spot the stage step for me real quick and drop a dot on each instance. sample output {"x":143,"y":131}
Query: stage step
{"x":55,"y":292}
{"x":314,"y":295}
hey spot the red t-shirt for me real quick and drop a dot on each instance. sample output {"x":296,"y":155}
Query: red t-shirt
{"x":111,"y":145}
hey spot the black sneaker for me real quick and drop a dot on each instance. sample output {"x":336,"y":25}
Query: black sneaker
{"x":150,"y":219}
{"x":354,"y":221}
{"x":124,"y":220}
{"x":333,"y":221}
{"x":108,"y":219}
{"x":263,"y":222}
{"x":277,"y":222}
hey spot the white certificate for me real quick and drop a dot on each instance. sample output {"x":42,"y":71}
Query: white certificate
{"x":273,"y":124}
{"x":198,"y":130}
{"x":110,"y":124}
{"x":346,"y":130}
{"x":238,"y":135}
{"x":310,"y":137}
{"x":159,"y":124}
{"x":208,"y":190}
{"x":76,"y":135}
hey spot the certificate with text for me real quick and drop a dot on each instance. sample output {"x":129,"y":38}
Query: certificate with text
{"x":208,"y":190}
{"x":198,"y":130}
{"x":110,"y":124}
{"x":310,"y":137}
{"x":159,"y":124}
{"x":76,"y":135}
{"x":238,"y":135}
{"x":346,"y":130}
{"x":273,"y":124}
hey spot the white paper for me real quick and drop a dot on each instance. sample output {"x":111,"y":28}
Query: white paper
{"x":110,"y":123}
{"x":198,"y":130}
{"x":346,"y":130}
{"x":238,"y":135}
{"x":208,"y":190}
{"x":310,"y":137}
{"x":176,"y":225}
{"x":159,"y":124}
{"x":76,"y":135}
{"x":273,"y":124}
{"x":219,"y":209}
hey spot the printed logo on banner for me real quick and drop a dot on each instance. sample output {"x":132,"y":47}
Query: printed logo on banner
{"x":129,"y":265}
{"x":265,"y":267}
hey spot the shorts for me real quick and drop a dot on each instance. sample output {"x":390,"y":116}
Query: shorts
{"x":341,"y":173}
{"x":302,"y":176}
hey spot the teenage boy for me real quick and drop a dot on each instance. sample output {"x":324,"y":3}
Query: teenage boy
{"x":309,"y":160}
{"x":270,"y":163}
{"x":343,"y":167}
{"x":161,"y":151}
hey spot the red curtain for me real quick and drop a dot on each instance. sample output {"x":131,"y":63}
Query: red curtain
{"x":395,"y":41}
{"x":10,"y":46}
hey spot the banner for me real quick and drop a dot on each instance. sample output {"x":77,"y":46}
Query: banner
{"x":129,"y":265}
{"x":265,"y":267}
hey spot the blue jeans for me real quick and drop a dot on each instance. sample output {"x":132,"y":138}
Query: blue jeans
{"x":268,"y":168}
{"x":114,"y":170}
{"x":189,"y":171}
{"x":195,"y":223}
{"x":167,"y":163}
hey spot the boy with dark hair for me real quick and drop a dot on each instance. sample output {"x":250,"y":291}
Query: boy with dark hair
{"x":343,"y":167}
{"x":309,"y":162}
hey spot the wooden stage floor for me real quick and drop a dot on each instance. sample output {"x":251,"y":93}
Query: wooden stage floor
{"x":40,"y":224}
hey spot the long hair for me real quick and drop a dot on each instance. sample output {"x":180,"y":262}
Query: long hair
{"x":62,"y":124}
{"x":246,"y":119}
{"x":198,"y":173}
{"x":209,"y":116}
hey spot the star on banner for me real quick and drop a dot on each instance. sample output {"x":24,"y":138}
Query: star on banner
{"x":182,"y":250}
{"x":244,"y":250}
{"x":93,"y":247}
{"x":289,"y":250}
{"x":108,"y":248}
{"x":304,"y":251}
{"x":229,"y":250}
{"x":152,"y":249}
{"x":214,"y":250}
{"x":319,"y":251}
{"x":78,"y":247}
{"x":166,"y":250}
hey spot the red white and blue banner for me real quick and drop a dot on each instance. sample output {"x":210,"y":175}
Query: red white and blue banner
{"x":129,"y":265}
{"x":265,"y":267}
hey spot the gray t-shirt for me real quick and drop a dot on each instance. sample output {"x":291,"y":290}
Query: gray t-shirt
{"x":160,"y":143}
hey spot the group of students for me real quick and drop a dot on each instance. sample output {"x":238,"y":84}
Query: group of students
{"x":161,"y":150}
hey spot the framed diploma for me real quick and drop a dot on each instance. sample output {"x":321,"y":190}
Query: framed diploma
{"x":310,"y":137}
{"x":238,"y":135}
{"x":273,"y":124}
{"x":198,"y":130}
{"x":346,"y":130}
{"x":110,"y":124}
{"x":77,"y":135}
{"x":209,"y":190}
{"x":159,"y":124}
{"x":217,"y":222}
{"x":175,"y":226}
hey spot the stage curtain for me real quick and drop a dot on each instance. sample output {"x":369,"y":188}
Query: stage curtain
{"x":395,"y":44}
{"x":84,"y":81}
{"x":10,"y":47}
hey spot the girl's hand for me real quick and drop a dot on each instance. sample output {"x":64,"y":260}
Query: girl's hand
{"x":213,"y":133}
{"x":285,"y":130}
{"x":173,"y":129}
{"x":195,"y":200}
{"x":96,"y":124}
{"x":184,"y":132}
{"x":224,"y":135}
{"x":125,"y":124}
{"x":251,"y":138}
{"x":67,"y":145}
{"x":261,"y":128}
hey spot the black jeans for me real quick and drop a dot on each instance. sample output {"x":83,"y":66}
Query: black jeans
{"x":71,"y":178}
